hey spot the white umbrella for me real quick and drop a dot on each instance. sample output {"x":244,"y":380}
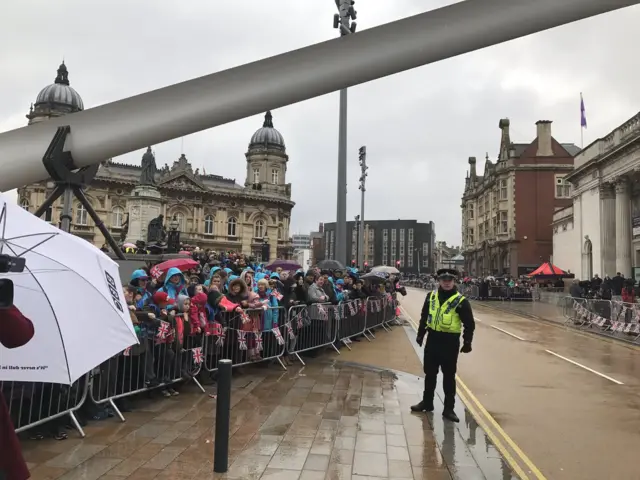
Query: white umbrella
{"x":71,"y":292}
{"x":385,"y":269}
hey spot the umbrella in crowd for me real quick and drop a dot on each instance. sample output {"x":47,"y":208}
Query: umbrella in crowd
{"x":375,"y":277}
{"x":72,"y":294}
{"x":330,"y":265}
{"x":386,"y":269}
{"x":129,"y":245}
{"x":182,"y":264}
{"x":288,"y":265}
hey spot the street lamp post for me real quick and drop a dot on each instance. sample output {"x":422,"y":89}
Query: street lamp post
{"x":362,"y":158}
{"x":356,"y":225}
{"x":342,"y":21}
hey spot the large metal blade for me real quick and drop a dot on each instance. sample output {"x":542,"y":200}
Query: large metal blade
{"x":133,"y":123}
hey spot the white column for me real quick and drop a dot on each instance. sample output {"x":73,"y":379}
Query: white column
{"x":608,"y":229}
{"x":623,"y":227}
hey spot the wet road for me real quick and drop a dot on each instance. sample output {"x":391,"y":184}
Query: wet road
{"x":571,"y":403}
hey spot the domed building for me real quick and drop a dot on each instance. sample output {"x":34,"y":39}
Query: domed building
{"x":56,"y":99}
{"x":211,"y":211}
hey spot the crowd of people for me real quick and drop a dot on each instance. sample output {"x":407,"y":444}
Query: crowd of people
{"x":182,"y":316}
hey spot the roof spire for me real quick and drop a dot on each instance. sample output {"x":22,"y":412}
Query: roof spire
{"x":268,"y":120}
{"x":63,"y":75}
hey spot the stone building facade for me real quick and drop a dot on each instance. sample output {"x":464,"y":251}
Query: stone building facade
{"x":507,"y":211}
{"x":211,"y":211}
{"x":599,"y":232}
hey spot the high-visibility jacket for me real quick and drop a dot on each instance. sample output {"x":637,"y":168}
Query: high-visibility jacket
{"x":444,"y":318}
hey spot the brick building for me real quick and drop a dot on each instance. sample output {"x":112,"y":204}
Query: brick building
{"x":507,"y":212}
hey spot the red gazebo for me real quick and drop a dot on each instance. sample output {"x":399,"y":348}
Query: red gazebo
{"x":548,"y":269}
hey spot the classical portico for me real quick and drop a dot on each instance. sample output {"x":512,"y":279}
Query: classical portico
{"x":623,"y":226}
{"x":600,"y":232}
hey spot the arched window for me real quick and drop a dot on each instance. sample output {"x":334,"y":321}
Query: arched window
{"x":208,"y":225}
{"x":24,"y":203}
{"x":232,"y":224}
{"x":274,"y":176}
{"x":117,"y":216}
{"x":259,"y":230}
{"x":81,"y":215}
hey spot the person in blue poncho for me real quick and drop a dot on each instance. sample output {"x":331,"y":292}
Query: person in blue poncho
{"x":140,"y":281}
{"x":174,"y":284}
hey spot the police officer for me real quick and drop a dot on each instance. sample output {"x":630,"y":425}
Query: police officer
{"x":444,"y":314}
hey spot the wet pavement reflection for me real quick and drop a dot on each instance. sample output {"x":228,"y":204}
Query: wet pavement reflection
{"x":328,"y":420}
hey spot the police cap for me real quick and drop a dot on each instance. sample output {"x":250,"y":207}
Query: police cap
{"x":447,"y":274}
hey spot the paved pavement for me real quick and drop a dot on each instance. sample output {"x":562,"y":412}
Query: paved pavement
{"x":328,"y":420}
{"x":569,"y":402}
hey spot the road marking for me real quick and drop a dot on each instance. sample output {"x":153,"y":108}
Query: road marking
{"x":534,"y":470}
{"x":469,"y":400}
{"x":508,"y":333}
{"x":585,"y":367}
{"x":493,"y":438}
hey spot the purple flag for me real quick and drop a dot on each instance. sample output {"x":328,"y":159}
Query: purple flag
{"x":583,"y":113}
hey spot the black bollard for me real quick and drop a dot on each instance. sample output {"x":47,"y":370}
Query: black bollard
{"x":223,"y":408}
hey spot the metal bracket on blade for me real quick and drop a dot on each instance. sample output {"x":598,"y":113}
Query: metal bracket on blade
{"x":59,"y":165}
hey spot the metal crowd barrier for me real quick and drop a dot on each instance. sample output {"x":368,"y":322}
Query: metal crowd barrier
{"x":33,"y":404}
{"x":256,"y":335}
{"x":498,"y":292}
{"x":353,"y":321}
{"x":158,"y":362}
{"x":607,"y":317}
{"x":165,"y":357}
{"x":312,"y":327}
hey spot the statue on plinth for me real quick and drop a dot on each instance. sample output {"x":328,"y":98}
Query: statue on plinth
{"x":125,"y":229}
{"x":157,"y":233}
{"x":149,"y":169}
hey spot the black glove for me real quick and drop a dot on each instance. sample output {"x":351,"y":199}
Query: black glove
{"x":466,"y":348}
{"x":419,"y":340}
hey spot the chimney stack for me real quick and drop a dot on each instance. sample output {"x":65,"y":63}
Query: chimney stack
{"x":545,"y":149}
{"x":472,"y":168}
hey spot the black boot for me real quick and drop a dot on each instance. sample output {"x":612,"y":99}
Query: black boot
{"x":450,"y":415}
{"x":423,"y":406}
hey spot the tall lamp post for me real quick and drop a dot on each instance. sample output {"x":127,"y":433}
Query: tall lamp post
{"x":362,"y":158}
{"x":356,"y":260}
{"x":342,"y":21}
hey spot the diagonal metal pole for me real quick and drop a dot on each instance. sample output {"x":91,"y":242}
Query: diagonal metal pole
{"x":202,"y":103}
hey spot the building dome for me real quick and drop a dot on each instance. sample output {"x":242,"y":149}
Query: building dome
{"x":267,"y":136}
{"x":59,"y":95}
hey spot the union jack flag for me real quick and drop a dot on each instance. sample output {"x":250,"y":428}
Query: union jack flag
{"x":245,"y":318}
{"x":352,"y":308}
{"x":277,"y":294}
{"x":197,"y":355}
{"x":242,"y":339}
{"x":292,"y":335}
{"x":322,"y":312}
{"x":278,"y":335}
{"x":258,"y":336}
{"x":127,"y":352}
{"x":221,"y":336}
{"x":163,"y":330}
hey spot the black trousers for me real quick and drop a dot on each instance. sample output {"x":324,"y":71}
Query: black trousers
{"x":441,"y":353}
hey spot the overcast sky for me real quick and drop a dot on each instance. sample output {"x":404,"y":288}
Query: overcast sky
{"x":419,"y":127}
